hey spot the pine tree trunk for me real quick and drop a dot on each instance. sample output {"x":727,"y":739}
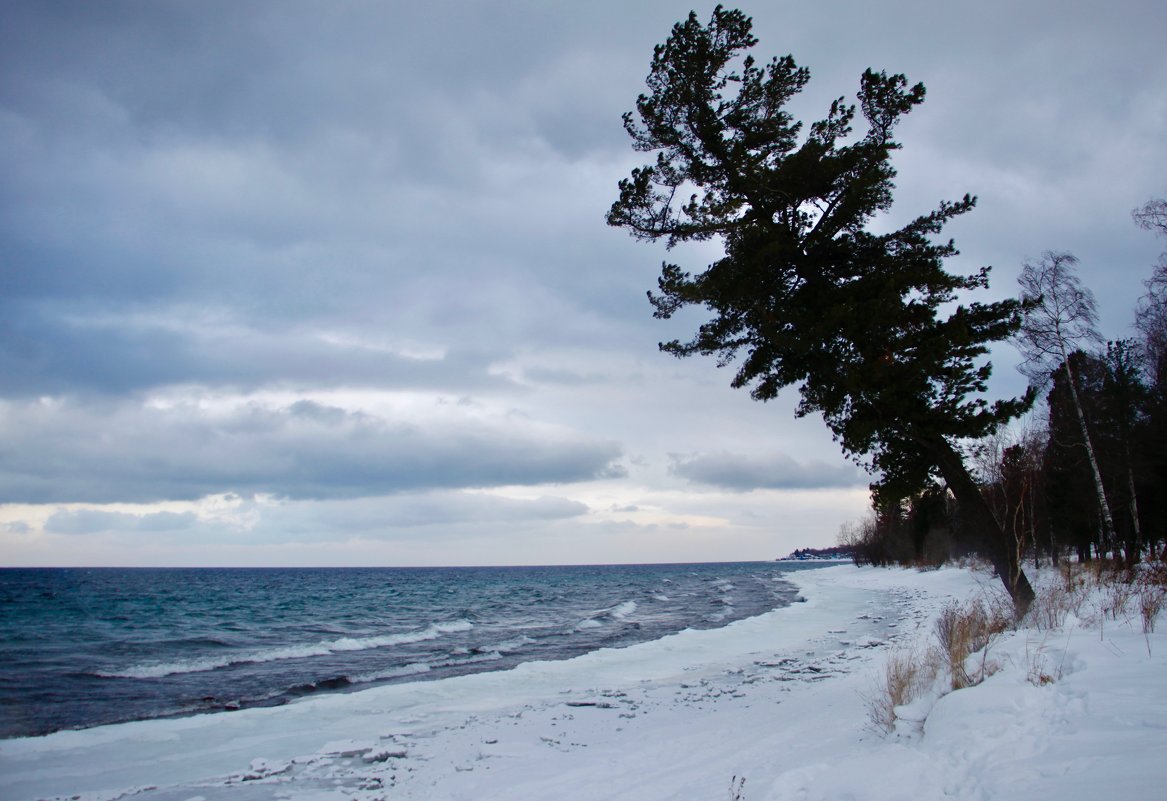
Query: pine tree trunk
{"x":1002,"y":548}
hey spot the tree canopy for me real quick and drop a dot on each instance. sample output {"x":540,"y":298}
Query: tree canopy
{"x":866,"y":324}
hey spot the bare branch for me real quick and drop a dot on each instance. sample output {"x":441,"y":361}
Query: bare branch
{"x":1060,"y":317}
{"x":1152,"y":216}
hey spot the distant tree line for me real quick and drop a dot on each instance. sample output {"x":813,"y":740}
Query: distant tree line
{"x":1086,"y":474}
{"x":835,"y":552}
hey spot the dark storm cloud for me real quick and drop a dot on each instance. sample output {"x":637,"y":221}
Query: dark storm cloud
{"x":745,"y":473}
{"x":162,"y":150}
{"x":391,"y":168}
{"x":383,"y":165}
{"x":58,"y":453}
{"x":119,"y":355}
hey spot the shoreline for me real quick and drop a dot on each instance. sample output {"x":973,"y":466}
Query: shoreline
{"x":193,"y":658}
{"x":776,"y":699}
{"x":288,"y":732}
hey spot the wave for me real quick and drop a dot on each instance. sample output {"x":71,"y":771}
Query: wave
{"x":619,"y":612}
{"x":415,"y":668}
{"x":510,"y":646}
{"x":202,"y":664}
{"x":623,"y":610}
{"x":335,"y":683}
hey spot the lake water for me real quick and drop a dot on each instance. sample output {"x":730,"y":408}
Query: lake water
{"x":83,"y":647}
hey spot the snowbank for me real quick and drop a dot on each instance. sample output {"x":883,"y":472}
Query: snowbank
{"x":777,"y":700}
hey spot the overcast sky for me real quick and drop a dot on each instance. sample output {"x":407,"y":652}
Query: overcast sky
{"x":317,"y":283}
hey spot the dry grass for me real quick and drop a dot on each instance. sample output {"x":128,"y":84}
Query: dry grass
{"x":907,"y":674}
{"x":1040,"y":668}
{"x":963,"y":631}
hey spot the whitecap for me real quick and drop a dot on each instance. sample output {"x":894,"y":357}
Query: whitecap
{"x":510,"y":646}
{"x":411,"y":669}
{"x":202,"y":664}
{"x":623,"y":610}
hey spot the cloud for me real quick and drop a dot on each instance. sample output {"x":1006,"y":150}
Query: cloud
{"x":124,"y":452}
{"x":50,"y":355}
{"x":778,"y":471}
{"x":431,"y":515}
{"x":89,"y":521}
{"x":336,"y":188}
{"x":436,"y":513}
{"x":258,"y":202}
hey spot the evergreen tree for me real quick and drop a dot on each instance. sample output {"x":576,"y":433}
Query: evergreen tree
{"x":1151,"y":321}
{"x":1151,"y":457}
{"x":805,"y":294}
{"x":1123,"y":402}
{"x":1074,"y":471}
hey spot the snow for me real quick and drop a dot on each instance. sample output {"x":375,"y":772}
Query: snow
{"x":777,"y":700}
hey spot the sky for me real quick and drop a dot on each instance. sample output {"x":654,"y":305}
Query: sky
{"x":308,"y":283}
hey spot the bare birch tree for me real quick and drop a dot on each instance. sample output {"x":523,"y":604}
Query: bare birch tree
{"x":1060,"y":318}
{"x":1151,"y":315}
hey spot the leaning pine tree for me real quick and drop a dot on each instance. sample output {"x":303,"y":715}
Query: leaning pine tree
{"x":805,"y":294}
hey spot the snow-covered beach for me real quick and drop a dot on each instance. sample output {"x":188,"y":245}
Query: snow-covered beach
{"x":776,"y":700}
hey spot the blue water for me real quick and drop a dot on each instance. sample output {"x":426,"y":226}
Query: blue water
{"x":83,"y":647}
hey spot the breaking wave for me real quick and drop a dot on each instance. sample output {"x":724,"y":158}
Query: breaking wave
{"x":160,"y":669}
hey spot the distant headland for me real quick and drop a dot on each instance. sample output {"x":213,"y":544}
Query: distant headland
{"x":807,"y":554}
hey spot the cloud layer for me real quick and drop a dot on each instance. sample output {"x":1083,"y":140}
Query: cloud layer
{"x":778,"y":471}
{"x":349,"y":264}
{"x":55,"y":453}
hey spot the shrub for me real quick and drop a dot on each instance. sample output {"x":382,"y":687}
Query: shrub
{"x":1116,"y":595}
{"x":1057,"y":598}
{"x":1154,"y":573}
{"x":1151,"y":600}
